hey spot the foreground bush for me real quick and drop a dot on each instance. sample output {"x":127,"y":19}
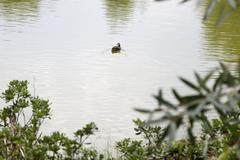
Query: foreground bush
{"x":218,"y":91}
{"x":20,"y":138}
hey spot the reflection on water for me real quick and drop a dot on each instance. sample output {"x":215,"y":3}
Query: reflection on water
{"x":223,"y":41}
{"x":118,"y":13}
{"x":19,"y":11}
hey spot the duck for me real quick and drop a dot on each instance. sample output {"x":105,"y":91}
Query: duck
{"x":117,"y":48}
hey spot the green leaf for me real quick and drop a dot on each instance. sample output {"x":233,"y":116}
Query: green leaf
{"x":172,"y":131}
{"x":165,"y":133}
{"x":210,"y":8}
{"x":191,"y":98}
{"x":221,"y":16}
{"x":208,"y":76}
{"x":143,"y":110}
{"x":184,"y":1}
{"x":190,"y":84}
{"x":162,"y":101}
{"x":219,"y":107}
{"x":198,"y":77}
{"x":202,"y":82}
{"x":232,"y":3}
{"x":176,"y":95}
{"x":167,"y":103}
{"x":217,"y":83}
{"x":191,"y":135}
{"x":192,"y":108}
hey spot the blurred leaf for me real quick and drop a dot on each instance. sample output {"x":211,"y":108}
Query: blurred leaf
{"x":157,"y":110}
{"x":202,"y":82}
{"x":191,"y":108}
{"x":172,"y":131}
{"x":196,"y":110}
{"x":165,"y":133}
{"x":208,"y":76}
{"x":222,"y":15}
{"x":227,"y":77}
{"x":219,"y":107}
{"x":199,"y":79}
{"x":189,"y":84}
{"x":210,"y":8}
{"x":217,"y":83}
{"x":190,"y":134}
{"x":184,"y":1}
{"x":177,"y":96}
{"x":232,"y":3}
{"x":162,"y":101}
{"x":142,"y":110}
{"x":187,"y":100}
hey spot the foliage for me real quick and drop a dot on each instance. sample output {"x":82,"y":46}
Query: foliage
{"x":227,"y":7}
{"x":20,"y":137}
{"x":218,"y":91}
{"x":152,"y":147}
{"x":221,"y":136}
{"x":141,"y":149}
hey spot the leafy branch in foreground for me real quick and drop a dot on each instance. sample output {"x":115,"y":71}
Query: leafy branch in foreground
{"x":222,"y":8}
{"x":217,"y":92}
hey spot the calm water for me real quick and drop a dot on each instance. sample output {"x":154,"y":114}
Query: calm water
{"x":63,"y":48}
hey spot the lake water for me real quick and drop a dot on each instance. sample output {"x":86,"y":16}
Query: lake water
{"x":63,"y":48}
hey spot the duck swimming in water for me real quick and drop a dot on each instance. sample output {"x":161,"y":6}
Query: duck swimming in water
{"x":117,"y":48}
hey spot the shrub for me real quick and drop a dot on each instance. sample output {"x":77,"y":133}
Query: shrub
{"x":219,"y":92}
{"x":20,"y":137}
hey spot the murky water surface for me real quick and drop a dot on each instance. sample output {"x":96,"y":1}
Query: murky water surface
{"x":63,"y":48}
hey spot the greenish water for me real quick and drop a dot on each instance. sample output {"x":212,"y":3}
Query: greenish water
{"x":63,"y":48}
{"x":223,"y":42}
